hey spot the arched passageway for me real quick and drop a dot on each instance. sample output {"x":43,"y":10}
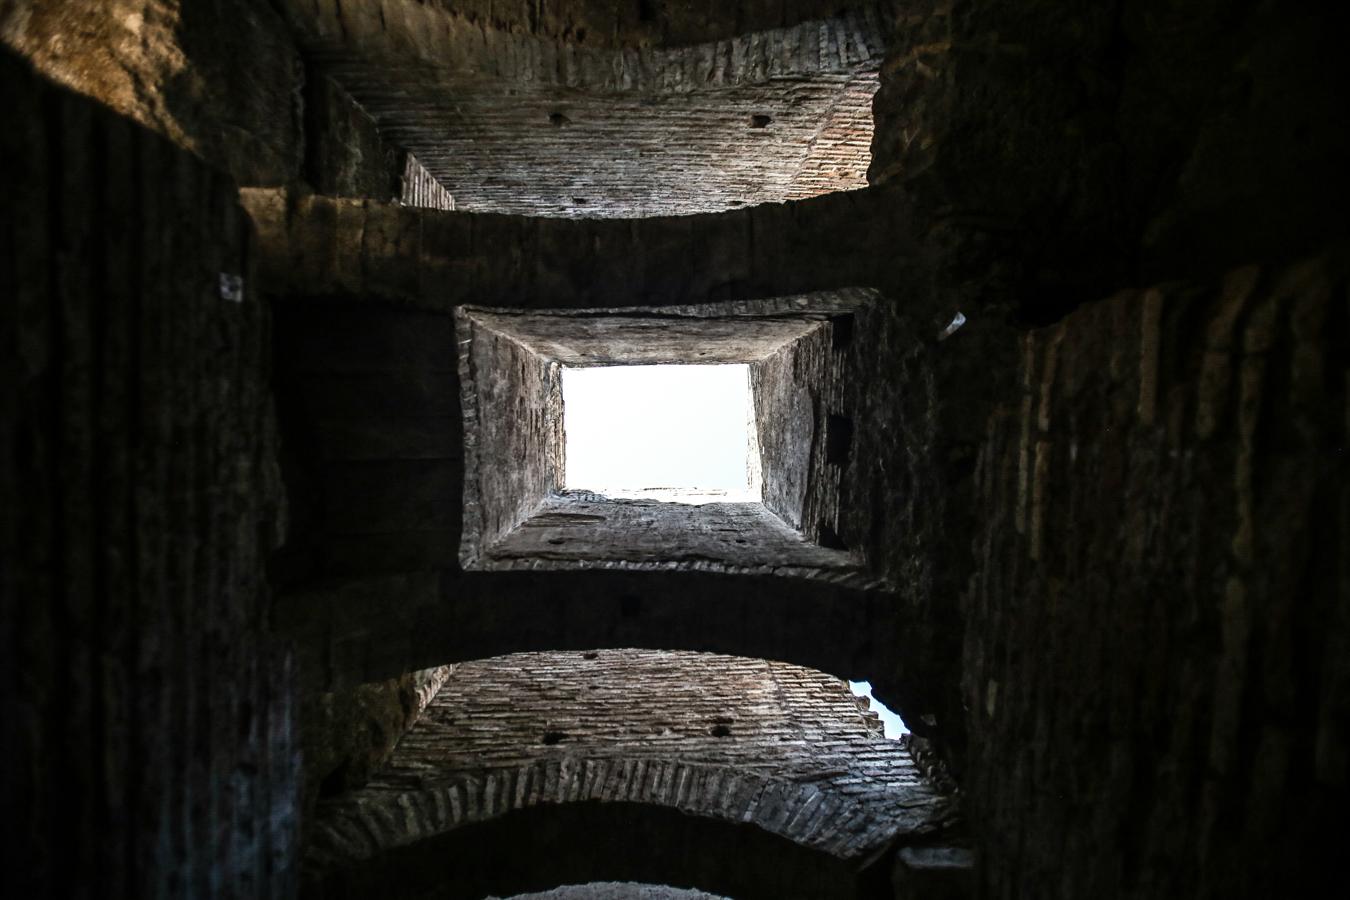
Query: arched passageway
{"x":535,"y":848}
{"x":694,"y":769}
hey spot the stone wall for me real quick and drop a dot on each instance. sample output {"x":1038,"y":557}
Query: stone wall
{"x":417,"y":187}
{"x":548,"y":127}
{"x":513,"y":434}
{"x":582,"y":530}
{"x":798,"y":415}
{"x":788,"y":750}
{"x":348,"y":734}
{"x":370,"y":411}
{"x":175,"y":67}
{"x":327,"y":249}
{"x":1155,"y":665}
{"x":148,"y":741}
{"x":1029,"y":160}
{"x":345,"y":154}
{"x":337,"y":262}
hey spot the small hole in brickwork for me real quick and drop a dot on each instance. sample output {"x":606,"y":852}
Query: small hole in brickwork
{"x":720,"y":731}
{"x":558,"y":120}
{"x":740,"y":540}
{"x":553,"y":737}
{"x":760,"y":121}
{"x":830,"y":539}
{"x":580,"y":201}
{"x":838,"y":439}
{"x":590,"y":655}
{"x":556,"y":541}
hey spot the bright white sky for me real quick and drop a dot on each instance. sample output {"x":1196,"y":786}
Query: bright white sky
{"x":635,"y":427}
{"x":891,"y":722}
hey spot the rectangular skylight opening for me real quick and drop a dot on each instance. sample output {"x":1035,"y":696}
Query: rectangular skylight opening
{"x":675,"y":433}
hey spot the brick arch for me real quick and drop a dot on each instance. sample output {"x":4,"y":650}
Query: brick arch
{"x":371,"y":841}
{"x":686,"y":745}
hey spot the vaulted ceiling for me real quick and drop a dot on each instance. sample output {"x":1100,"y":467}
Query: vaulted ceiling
{"x":645,"y":119}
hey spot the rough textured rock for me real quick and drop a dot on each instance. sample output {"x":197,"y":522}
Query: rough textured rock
{"x":173,"y":66}
{"x":787,"y":749}
{"x":354,"y":630}
{"x":577,"y":529}
{"x":513,"y":435}
{"x":514,"y":440}
{"x":893,"y":496}
{"x":804,"y":439}
{"x":1112,"y":546}
{"x":345,"y":154}
{"x":148,"y":741}
{"x":348,"y":734}
{"x":733,"y":332}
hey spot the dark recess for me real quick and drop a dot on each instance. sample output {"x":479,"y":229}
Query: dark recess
{"x":838,"y":439}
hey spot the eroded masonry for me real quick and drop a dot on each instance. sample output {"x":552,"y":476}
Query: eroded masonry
{"x":1044,"y":310}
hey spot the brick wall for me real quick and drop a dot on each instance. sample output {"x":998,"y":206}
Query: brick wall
{"x":148,"y":740}
{"x":786,"y":749}
{"x":345,"y":153}
{"x":1155,"y":664}
{"x":543,"y":126}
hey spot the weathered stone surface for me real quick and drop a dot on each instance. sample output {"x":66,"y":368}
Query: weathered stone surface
{"x":1149,"y":672}
{"x":358,"y":629}
{"x":345,"y":154}
{"x":787,"y":749}
{"x":334,"y":250}
{"x":1155,"y":666}
{"x":513,"y":434}
{"x":889,"y":496}
{"x":174,"y":66}
{"x":514,"y":440}
{"x":515,"y":123}
{"x":613,"y":890}
{"x":578,"y":529}
{"x":732,"y":332}
{"x":348,"y":734}
{"x":147,"y":741}
{"x":799,"y":407}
